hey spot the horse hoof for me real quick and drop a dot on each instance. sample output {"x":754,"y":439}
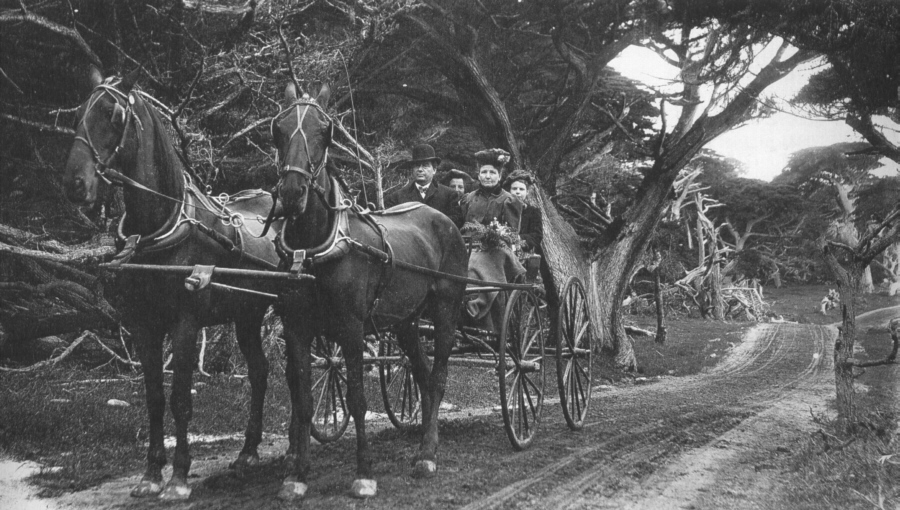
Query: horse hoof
{"x":145,"y":489}
{"x":425,"y":469}
{"x":292,"y":489}
{"x":363,"y":488}
{"x":243,"y":462}
{"x":175,"y":492}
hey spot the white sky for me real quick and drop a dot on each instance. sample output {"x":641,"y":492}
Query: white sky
{"x":765,"y":145}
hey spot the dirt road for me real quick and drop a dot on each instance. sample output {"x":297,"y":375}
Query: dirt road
{"x":705,"y":441}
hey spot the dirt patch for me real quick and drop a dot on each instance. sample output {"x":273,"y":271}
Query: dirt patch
{"x":713,"y":440}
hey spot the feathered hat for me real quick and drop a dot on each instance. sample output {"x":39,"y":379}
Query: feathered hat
{"x":495,"y":157}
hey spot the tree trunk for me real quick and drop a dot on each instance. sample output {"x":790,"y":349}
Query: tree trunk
{"x":660,"y":307}
{"x":848,"y":280}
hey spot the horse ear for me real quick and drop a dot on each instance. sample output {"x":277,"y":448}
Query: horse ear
{"x":130,"y":79}
{"x":96,"y":76}
{"x":290,"y":92}
{"x":324,"y":95}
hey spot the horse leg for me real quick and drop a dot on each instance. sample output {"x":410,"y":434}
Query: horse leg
{"x":149,"y":345}
{"x":445,"y":313}
{"x":408,"y":338}
{"x":349,"y":334}
{"x":184,"y":339}
{"x":297,"y":347}
{"x":248,"y":337}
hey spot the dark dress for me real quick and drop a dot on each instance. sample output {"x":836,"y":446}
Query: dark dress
{"x":483,"y":206}
{"x":438,"y":196}
{"x":531,"y":230}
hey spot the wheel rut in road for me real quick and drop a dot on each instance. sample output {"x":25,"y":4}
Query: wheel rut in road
{"x":660,"y":421}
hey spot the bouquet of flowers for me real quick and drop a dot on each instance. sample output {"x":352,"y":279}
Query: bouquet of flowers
{"x":492,"y":236}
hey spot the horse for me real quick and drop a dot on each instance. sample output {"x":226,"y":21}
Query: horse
{"x":364,"y":282}
{"x":120,"y":138}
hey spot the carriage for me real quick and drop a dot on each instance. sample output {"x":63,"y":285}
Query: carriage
{"x":118,"y":129}
{"x":518,"y":353}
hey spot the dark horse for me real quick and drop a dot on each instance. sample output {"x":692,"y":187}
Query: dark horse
{"x":355,"y":292}
{"x":121,"y":138}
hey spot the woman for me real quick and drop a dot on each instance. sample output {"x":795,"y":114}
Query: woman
{"x":531,"y":231}
{"x":490,"y":201}
{"x":458,"y":181}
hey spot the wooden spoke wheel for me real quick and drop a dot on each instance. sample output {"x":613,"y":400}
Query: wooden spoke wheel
{"x":398,"y":388}
{"x":329,"y":391}
{"x":574,"y":353}
{"x":521,"y":368}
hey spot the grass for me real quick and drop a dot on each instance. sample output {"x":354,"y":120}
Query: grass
{"x":861,"y":471}
{"x":60,"y":418}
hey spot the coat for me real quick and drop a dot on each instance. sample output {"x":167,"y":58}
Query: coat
{"x":530,"y":229}
{"x":481,"y":206}
{"x":438,"y":197}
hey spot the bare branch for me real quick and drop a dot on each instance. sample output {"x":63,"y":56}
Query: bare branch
{"x":11,"y":16}
{"x":52,"y":361}
{"x":76,"y":255}
{"x":38,"y":125}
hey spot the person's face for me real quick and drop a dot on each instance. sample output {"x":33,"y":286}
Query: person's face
{"x":458,"y":185}
{"x":422,"y":173}
{"x":488,"y":176}
{"x":519,"y":190}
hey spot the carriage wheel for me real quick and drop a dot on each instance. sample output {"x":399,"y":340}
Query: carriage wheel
{"x":329,"y":391}
{"x":521,"y":368}
{"x":398,"y":388}
{"x":574,"y":354}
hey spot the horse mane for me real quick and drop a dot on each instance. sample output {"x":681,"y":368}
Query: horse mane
{"x":164,"y":147}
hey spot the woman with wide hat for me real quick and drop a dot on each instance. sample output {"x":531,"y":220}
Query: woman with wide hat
{"x":490,"y":201}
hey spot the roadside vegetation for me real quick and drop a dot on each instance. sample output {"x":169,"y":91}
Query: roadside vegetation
{"x":61,"y":419}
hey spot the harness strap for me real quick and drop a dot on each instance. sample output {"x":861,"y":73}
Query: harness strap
{"x":387,"y":274}
{"x":386,"y":258}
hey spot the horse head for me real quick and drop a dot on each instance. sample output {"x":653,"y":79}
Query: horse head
{"x":302,"y":133}
{"x":101,"y":136}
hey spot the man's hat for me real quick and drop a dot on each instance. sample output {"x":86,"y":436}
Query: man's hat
{"x":494,"y":157}
{"x":422,"y":153}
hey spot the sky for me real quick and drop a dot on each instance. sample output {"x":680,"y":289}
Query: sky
{"x":764,"y":145}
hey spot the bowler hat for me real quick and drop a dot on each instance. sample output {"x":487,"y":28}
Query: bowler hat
{"x":422,"y":153}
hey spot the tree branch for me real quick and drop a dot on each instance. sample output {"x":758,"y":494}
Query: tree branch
{"x":39,"y":125}
{"x":12,"y":16}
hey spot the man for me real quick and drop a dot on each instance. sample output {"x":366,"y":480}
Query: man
{"x":422,"y":187}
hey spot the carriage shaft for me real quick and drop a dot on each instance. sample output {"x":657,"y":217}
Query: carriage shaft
{"x":225,"y":271}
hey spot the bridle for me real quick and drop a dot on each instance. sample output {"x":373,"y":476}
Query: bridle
{"x":103,"y":166}
{"x":304,"y":104}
